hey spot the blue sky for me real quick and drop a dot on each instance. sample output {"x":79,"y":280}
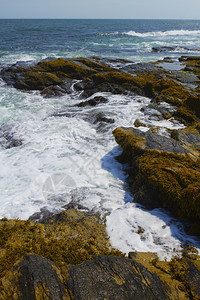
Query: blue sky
{"x":125,"y":9}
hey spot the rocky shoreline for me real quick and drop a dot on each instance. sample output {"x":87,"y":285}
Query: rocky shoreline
{"x":68,"y":255}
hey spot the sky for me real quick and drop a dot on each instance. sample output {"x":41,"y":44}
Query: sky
{"x":103,"y":9}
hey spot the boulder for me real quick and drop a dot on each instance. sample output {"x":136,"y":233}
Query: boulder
{"x":114,"y":278}
{"x":163,"y":49}
{"x":39,"y":278}
{"x":93,"y":102}
{"x":165,"y":171}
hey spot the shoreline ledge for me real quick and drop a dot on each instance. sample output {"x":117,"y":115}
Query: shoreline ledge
{"x":68,"y":256}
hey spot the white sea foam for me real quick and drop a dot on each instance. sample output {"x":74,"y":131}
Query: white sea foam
{"x":66,"y":159}
{"x":163,"y":33}
{"x":132,"y":227}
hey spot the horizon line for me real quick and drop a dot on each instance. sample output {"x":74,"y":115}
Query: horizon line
{"x":62,"y":18}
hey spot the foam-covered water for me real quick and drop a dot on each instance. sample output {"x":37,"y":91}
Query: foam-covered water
{"x":70,"y":157}
{"x":66,"y":159}
{"x":164,"y":33}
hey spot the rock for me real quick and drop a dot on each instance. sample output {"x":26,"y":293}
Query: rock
{"x":8,"y":136}
{"x":163,"y":49}
{"x":142,"y":141}
{"x":165,"y":171}
{"x":56,"y":91}
{"x":39,"y":277}
{"x":114,"y":62}
{"x":140,"y":68}
{"x":69,"y":237}
{"x":114,"y":278}
{"x":137,"y":123}
{"x":141,"y":276}
{"x":98,"y":117}
{"x":57,"y":77}
{"x":93,"y":102}
{"x":68,"y":256}
{"x":101,"y":120}
{"x":50,"y":73}
{"x":175,"y":48}
{"x":186,"y":138}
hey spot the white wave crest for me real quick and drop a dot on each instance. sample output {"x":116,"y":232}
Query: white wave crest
{"x":163,"y":33}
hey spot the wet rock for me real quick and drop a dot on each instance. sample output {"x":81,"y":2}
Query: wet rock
{"x":148,"y":140}
{"x":100,"y":117}
{"x":165,"y":171}
{"x":75,"y":205}
{"x":114,"y":62}
{"x":114,"y":278}
{"x":140,"y":68}
{"x":8,"y":136}
{"x":50,"y":73}
{"x":158,"y":111}
{"x":193,"y":279}
{"x":54,"y":91}
{"x":71,"y":258}
{"x":101,"y":120}
{"x":163,"y":49}
{"x":137,"y":123}
{"x":175,"y":48}
{"x":186,"y":78}
{"x":43,"y":216}
{"x":93,"y":102}
{"x":68,"y":237}
{"x":186,"y":138}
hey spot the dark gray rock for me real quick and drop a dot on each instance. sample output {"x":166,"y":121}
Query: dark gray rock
{"x":93,"y":102}
{"x":54,"y":91}
{"x":163,"y":49}
{"x":186,"y":137}
{"x":8,"y":136}
{"x":160,"y":142}
{"x":39,"y":273}
{"x":193,"y":277}
{"x":111,"y":278}
{"x":140,"y":67}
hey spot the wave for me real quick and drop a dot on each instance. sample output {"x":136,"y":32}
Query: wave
{"x":163,"y":33}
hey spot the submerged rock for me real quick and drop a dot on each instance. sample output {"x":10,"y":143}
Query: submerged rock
{"x":163,"y":49}
{"x":8,"y":136}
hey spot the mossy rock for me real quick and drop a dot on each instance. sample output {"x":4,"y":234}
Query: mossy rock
{"x":161,"y":178}
{"x":70,"y":237}
{"x":173,"y":180}
{"x":72,"y":69}
{"x":140,"y":276}
{"x":39,"y":80}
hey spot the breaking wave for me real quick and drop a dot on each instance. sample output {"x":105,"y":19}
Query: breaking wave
{"x":163,"y":33}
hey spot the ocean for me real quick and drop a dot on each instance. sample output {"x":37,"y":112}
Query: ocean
{"x":69,"y":158}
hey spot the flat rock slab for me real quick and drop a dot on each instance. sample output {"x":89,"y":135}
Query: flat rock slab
{"x":110,"y":277}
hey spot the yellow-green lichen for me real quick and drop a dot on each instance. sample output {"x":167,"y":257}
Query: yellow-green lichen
{"x":72,"y":240}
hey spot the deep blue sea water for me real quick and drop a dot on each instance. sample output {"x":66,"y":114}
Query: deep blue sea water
{"x":69,"y":158}
{"x":132,"y":39}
